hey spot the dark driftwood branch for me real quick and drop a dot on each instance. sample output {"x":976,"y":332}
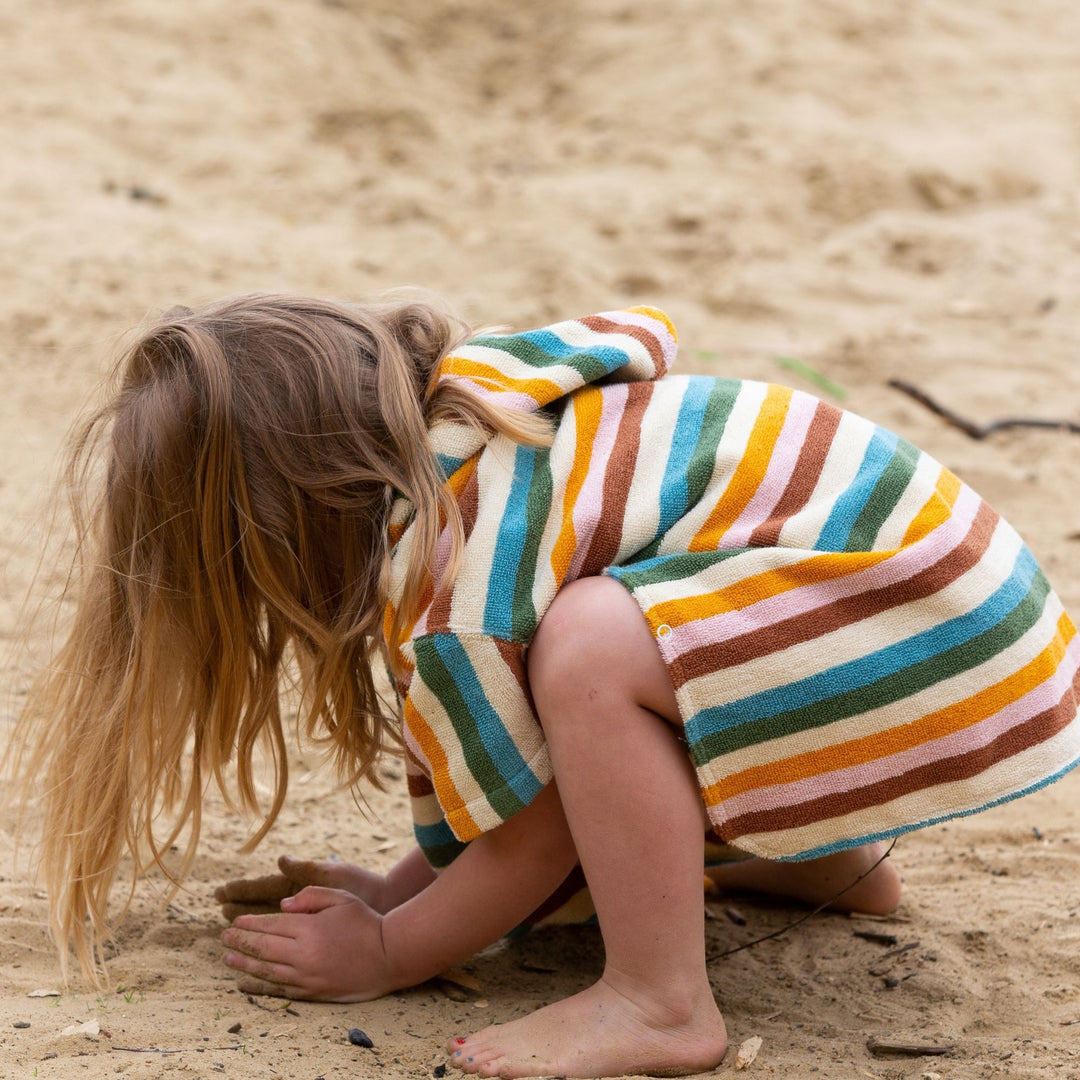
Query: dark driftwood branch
{"x":979,"y":431}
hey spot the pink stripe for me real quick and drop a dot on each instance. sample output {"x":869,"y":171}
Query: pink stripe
{"x":510,"y":399}
{"x":781,"y":465}
{"x":668,"y":344}
{"x":442,"y":558}
{"x":590,"y":500}
{"x":414,"y":749}
{"x":1044,"y":696}
{"x":773,"y":609}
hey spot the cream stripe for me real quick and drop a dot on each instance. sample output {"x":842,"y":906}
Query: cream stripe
{"x":495,"y":477}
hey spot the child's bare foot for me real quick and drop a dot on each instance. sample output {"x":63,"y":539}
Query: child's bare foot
{"x":816,"y":880}
{"x":603,"y":1031}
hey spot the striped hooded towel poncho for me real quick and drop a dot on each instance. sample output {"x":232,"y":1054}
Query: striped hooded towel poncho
{"x":858,"y":643}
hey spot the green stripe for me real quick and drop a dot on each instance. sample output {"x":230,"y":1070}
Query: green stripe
{"x":887,"y":492}
{"x":440,"y":855}
{"x":523,"y":620}
{"x":887,"y":690}
{"x":430,"y":667}
{"x":713,"y":423}
{"x":674,"y":567}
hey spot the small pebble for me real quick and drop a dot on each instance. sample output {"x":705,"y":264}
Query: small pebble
{"x":21,"y":1024}
{"x":439,"y":1072}
{"x":235,"y":1029}
{"x":358,"y":1038}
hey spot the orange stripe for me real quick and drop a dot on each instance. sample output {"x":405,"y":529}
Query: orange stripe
{"x":750,"y":471}
{"x":936,"y":511}
{"x":955,"y":717}
{"x":751,"y":590}
{"x":542,"y":391}
{"x":587,"y":412}
{"x":449,"y":798}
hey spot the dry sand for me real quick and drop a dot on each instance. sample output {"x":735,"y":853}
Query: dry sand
{"x":875,"y":190}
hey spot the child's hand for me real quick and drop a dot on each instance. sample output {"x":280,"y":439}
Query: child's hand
{"x":263,"y":895}
{"x":326,"y":945}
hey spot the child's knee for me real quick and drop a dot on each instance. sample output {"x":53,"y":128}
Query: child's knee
{"x":594,"y":633}
{"x":584,"y":625}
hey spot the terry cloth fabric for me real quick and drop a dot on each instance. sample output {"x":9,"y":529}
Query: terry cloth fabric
{"x":858,"y":643}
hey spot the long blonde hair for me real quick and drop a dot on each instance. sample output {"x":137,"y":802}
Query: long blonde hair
{"x":231,"y":503}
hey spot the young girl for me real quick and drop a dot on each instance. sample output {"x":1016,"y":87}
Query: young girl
{"x":619,"y":607}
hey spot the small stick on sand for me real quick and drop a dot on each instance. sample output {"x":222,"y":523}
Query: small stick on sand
{"x":877,"y":1045}
{"x":979,"y":431}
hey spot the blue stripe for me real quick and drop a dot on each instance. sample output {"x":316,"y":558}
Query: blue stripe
{"x":429,"y":836}
{"x":899,"y":830}
{"x":846,"y":511}
{"x":877,"y":665}
{"x":612,"y":358}
{"x":497,"y":741}
{"x":509,"y":545}
{"x":450,"y":464}
{"x":674,"y":489}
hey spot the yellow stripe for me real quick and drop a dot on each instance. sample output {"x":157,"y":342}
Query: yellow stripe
{"x":751,"y":590}
{"x":449,"y":799}
{"x":952,"y":718}
{"x":543,"y":391}
{"x":937,"y":509}
{"x":658,"y":315}
{"x":750,"y":471}
{"x":587,"y":411}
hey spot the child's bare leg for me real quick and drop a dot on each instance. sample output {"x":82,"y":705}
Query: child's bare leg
{"x":816,"y":880}
{"x":632,"y":803}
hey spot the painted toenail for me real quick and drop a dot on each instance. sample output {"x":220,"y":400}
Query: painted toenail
{"x":460,"y":1041}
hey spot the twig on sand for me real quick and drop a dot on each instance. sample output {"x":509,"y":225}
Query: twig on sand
{"x":180,"y":1050}
{"x":809,"y":915}
{"x":877,"y":1045}
{"x":969,"y":427}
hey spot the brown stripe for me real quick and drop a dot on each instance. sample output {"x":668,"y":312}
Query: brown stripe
{"x":845,"y":611}
{"x":638,"y":333}
{"x":438,"y":616}
{"x":618,"y":477}
{"x":513,"y":656}
{"x":804,"y":477}
{"x":416,"y":776}
{"x":1030,"y":733}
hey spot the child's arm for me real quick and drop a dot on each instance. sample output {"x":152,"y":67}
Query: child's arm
{"x":329,"y":945}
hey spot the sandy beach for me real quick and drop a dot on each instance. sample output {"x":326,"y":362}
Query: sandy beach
{"x":833,"y":195}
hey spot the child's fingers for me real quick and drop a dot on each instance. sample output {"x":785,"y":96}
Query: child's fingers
{"x":302,"y":872}
{"x":250,"y":985}
{"x":314,"y":899}
{"x":278,"y":973}
{"x":231,"y":912}
{"x":261,"y":890}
